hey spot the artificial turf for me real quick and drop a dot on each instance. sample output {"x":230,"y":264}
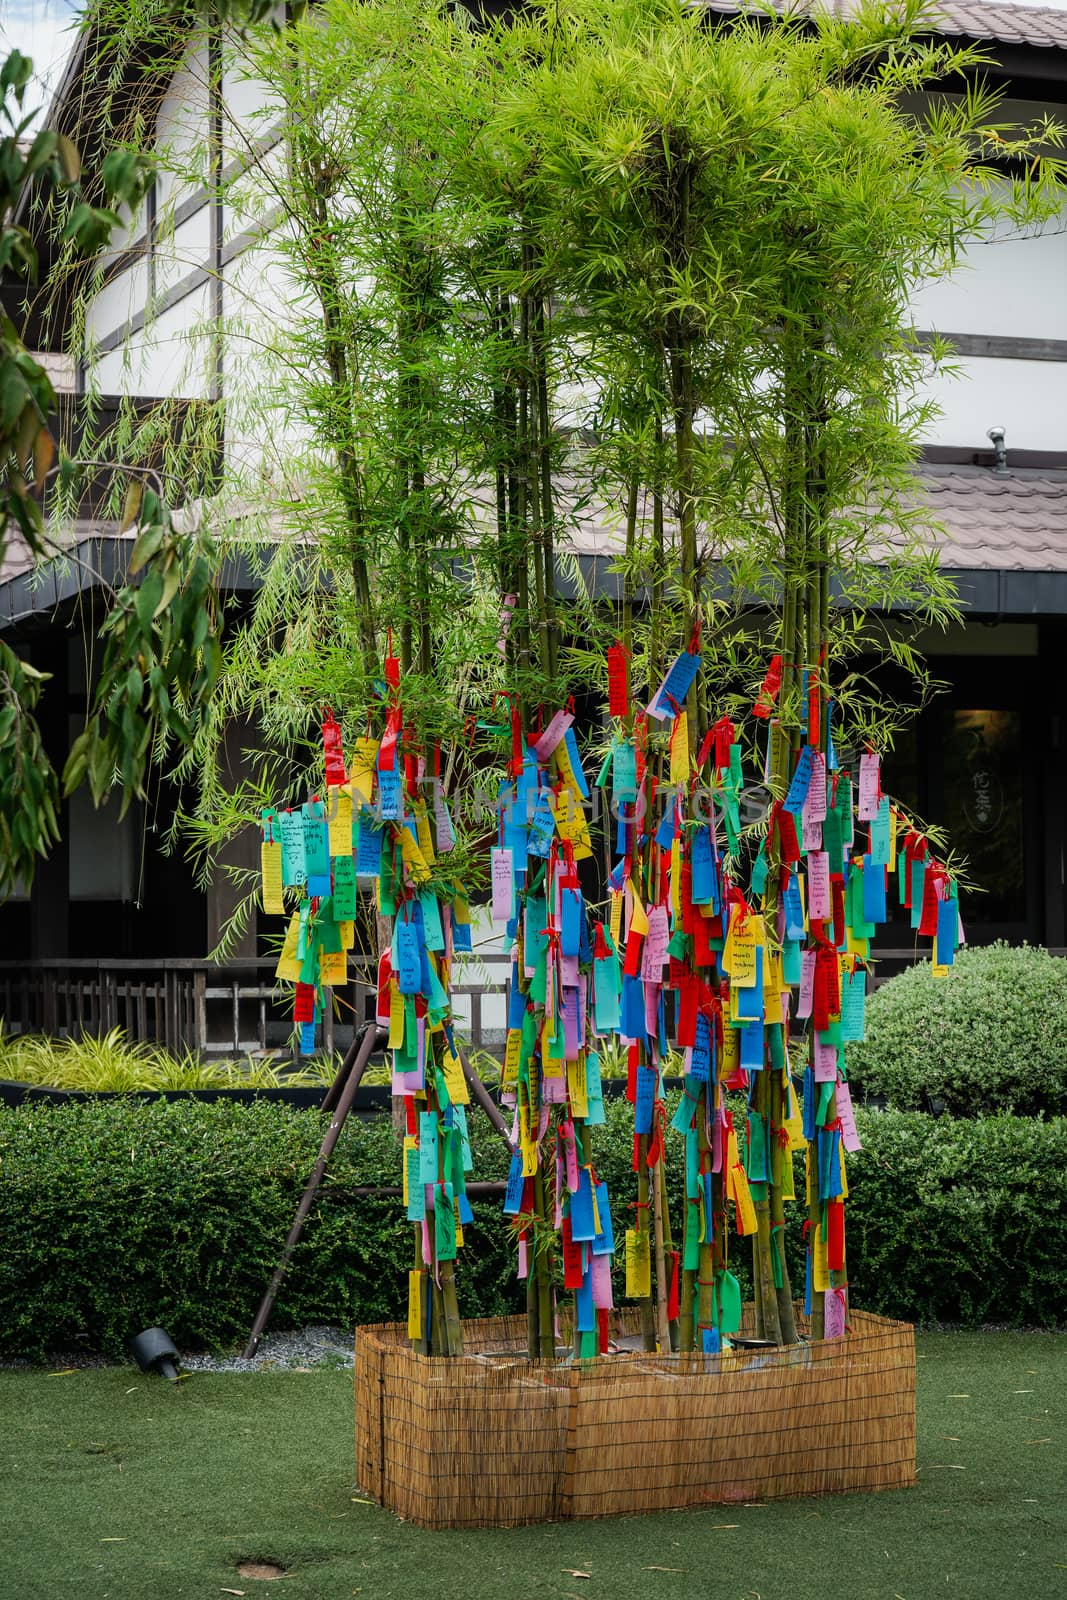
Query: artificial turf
{"x":114,"y":1486}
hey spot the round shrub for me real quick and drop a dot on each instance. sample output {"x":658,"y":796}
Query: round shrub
{"x":989,"y":1037}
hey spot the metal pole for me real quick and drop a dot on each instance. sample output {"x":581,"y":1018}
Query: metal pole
{"x":371,"y":1038}
{"x":330,"y":1098}
{"x":485,"y":1100}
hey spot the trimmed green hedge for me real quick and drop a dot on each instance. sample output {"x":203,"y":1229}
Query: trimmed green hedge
{"x":989,"y":1037}
{"x":116,"y":1217}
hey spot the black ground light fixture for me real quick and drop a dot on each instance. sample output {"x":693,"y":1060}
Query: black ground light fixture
{"x":153,"y":1350}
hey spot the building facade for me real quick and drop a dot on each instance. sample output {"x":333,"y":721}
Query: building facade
{"x":170,"y":313}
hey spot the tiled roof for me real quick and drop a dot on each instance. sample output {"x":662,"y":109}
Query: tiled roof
{"x":990,"y":524}
{"x":1039,"y":25}
{"x":1013,"y":524}
{"x":1017,"y":523}
{"x":1004,"y":24}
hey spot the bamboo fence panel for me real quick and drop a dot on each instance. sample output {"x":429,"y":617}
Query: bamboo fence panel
{"x":492,"y":1439}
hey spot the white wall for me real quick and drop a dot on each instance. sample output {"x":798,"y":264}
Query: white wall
{"x":182,"y":128}
{"x":1010,"y":285}
{"x":171,"y":357}
{"x":1007,"y":286}
{"x":1026,"y":398}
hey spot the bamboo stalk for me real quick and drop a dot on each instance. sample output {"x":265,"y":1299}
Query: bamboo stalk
{"x":648,"y":1317}
{"x":546,"y":1331}
{"x":663,"y":1329}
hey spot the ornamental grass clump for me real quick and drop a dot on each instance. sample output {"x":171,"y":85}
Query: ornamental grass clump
{"x":988,"y":1038}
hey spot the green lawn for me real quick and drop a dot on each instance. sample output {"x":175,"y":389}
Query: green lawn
{"x":114,"y":1486}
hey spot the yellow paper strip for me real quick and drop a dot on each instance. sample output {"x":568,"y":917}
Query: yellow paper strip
{"x":270,"y":858}
{"x":339,"y":815}
{"x":638,"y":1265}
{"x":414,"y":1304}
{"x":455,"y":1082}
{"x":288,"y":968}
{"x":361,"y":768}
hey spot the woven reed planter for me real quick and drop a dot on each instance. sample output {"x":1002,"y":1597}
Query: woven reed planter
{"x":493,"y":1439}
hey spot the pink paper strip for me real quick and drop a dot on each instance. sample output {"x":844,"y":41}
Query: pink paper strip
{"x":825,"y":1063}
{"x":501,"y":878}
{"x":654,"y":950}
{"x":552,"y":735}
{"x":870,"y":788}
{"x":849,"y":1135}
{"x":820,"y":905}
{"x":600,"y":1281}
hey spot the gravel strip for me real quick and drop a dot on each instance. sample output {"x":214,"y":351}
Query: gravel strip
{"x":297,"y":1350}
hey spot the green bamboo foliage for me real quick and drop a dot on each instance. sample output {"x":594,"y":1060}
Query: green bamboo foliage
{"x":608,"y":260}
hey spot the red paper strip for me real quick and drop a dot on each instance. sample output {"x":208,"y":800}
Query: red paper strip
{"x":304,"y":1003}
{"x":835,"y":1235}
{"x":933,"y":878}
{"x":631,"y":1075}
{"x":618,"y":680}
{"x":724,"y":738}
{"x":572,"y":1265}
{"x":331,"y":746}
{"x":387,"y":750}
{"x":634,"y":941}
{"x":672,"y":1292}
{"x":768,"y":694}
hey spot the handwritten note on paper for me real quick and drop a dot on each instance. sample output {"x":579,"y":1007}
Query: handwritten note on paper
{"x":810,"y":834}
{"x":675,"y":687}
{"x":271,"y":863}
{"x":881,"y":836}
{"x":414,"y":1190}
{"x":316,"y":841}
{"x":390,"y":795}
{"x":552,"y":735}
{"x":815,"y":799}
{"x":853,"y":1005}
{"x":344,"y":888}
{"x":743,"y":947}
{"x":339,"y":821}
{"x":361,"y":768}
{"x":291,"y":828}
{"x":825,"y":1062}
{"x":849,"y":1135}
{"x":807,"y":983}
{"x":870,"y":787}
{"x":834,"y":1314}
{"x":654,"y":951}
{"x":444,"y":1213}
{"x":427,"y":1147}
{"x":647,"y":1079}
{"x":500,"y":870}
{"x":408,"y":963}
{"x":798,"y":788}
{"x":820,"y":905}
{"x":368,"y":848}
{"x":700,"y":1054}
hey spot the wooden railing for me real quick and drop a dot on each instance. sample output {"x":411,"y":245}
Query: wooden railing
{"x":239,"y":1009}
{"x":234,"y":1010}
